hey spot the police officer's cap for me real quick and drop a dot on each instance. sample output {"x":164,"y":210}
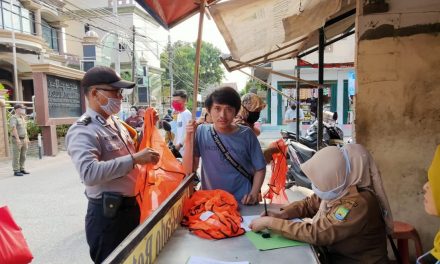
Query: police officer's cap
{"x":16,"y":106}
{"x":104,"y":75}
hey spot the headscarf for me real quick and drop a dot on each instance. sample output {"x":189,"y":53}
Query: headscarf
{"x":343,"y":168}
{"x":434,"y":184}
{"x":250,"y":102}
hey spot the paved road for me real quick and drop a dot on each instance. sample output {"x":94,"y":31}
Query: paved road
{"x":50,"y":206}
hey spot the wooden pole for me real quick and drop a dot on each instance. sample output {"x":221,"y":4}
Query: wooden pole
{"x":197,"y":62}
{"x":188,"y":162}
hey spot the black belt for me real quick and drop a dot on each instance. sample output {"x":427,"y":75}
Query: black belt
{"x":126,"y":201}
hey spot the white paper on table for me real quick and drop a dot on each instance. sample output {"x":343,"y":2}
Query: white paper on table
{"x":203,"y":260}
{"x":247,"y":219}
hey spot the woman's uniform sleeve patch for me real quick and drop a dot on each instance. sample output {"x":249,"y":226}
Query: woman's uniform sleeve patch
{"x":341,"y":213}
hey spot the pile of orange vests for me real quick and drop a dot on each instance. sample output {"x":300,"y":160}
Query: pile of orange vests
{"x":212,"y":214}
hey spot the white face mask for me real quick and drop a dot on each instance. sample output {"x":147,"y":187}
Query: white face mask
{"x":113,"y":105}
{"x":20,"y":111}
{"x":133,"y":112}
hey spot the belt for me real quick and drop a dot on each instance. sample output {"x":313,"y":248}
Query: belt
{"x":126,"y":201}
{"x":20,"y":137}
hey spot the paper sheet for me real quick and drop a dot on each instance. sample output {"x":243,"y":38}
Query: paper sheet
{"x":203,"y":260}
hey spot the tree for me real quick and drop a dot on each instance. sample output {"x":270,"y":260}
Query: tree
{"x":252,"y":85}
{"x":183,"y":62}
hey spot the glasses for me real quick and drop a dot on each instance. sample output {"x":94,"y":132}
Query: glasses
{"x":118,"y":91}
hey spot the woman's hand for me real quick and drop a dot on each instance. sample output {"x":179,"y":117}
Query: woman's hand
{"x":276,"y":213}
{"x":261,"y":223}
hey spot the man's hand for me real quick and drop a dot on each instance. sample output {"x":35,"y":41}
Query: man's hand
{"x":261,"y":223}
{"x":18,"y":141}
{"x":250,"y":199}
{"x":191,"y":127}
{"x":146,"y":155}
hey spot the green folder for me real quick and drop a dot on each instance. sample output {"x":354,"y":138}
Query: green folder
{"x":273,"y":242}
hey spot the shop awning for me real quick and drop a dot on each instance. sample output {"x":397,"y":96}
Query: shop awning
{"x":260,"y":31}
{"x":169,"y":13}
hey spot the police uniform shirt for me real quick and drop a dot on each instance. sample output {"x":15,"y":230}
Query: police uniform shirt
{"x":102,"y":154}
{"x":20,"y":124}
{"x":353,"y":230}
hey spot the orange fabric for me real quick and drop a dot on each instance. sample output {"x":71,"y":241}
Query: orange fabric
{"x":132,"y":132}
{"x":156,"y":182}
{"x":277,"y":183}
{"x":223,"y":223}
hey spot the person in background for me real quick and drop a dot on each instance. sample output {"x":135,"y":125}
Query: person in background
{"x":204,"y":118}
{"x":134,"y":120}
{"x":251,"y":106}
{"x":244,"y":179}
{"x":183,"y":117}
{"x":432,"y":207}
{"x":349,"y":208}
{"x":20,"y":139}
{"x":290,"y":117}
{"x":105,"y":157}
{"x":169,"y":115}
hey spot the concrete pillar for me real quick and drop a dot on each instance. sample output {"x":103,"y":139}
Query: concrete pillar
{"x":38,"y":27}
{"x":4,"y":138}
{"x":50,"y":142}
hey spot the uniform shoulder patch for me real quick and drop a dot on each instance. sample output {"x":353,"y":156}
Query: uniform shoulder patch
{"x":84,"y":120}
{"x":341,"y":213}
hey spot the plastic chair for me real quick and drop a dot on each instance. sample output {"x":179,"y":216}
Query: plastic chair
{"x":404,"y":232}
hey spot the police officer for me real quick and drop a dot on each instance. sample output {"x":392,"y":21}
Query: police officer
{"x":105,"y":157}
{"x":349,"y":209}
{"x":20,"y":139}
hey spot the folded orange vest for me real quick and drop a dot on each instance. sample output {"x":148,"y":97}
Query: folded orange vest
{"x":221,"y":210}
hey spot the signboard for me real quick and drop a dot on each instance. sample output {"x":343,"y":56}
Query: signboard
{"x":64,"y":97}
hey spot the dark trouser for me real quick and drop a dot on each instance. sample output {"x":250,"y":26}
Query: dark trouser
{"x":104,"y":234}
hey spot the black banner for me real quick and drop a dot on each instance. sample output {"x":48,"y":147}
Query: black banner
{"x":64,"y":97}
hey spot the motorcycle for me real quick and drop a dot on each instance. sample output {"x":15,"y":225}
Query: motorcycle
{"x":169,"y":138}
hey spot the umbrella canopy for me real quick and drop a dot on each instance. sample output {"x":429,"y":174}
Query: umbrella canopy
{"x":169,"y":13}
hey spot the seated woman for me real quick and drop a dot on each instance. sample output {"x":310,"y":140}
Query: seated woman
{"x":432,"y":207}
{"x":349,"y":209}
{"x":251,"y":106}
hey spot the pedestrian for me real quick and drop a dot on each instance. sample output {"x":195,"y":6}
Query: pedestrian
{"x":183,"y":117}
{"x":104,"y":156}
{"x":251,"y":106}
{"x":231,"y":155}
{"x":20,"y":139}
{"x":349,"y":209}
{"x":432,"y":207}
{"x":169,"y":115}
{"x":134,"y":120}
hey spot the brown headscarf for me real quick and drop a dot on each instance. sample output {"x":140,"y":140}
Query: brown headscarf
{"x":250,"y":102}
{"x":346,"y":167}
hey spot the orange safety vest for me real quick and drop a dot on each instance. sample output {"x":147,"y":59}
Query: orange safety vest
{"x":224,"y":219}
{"x":277,"y":183}
{"x":156,"y":182}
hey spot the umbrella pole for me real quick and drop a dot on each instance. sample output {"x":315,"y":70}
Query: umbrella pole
{"x":188,"y":163}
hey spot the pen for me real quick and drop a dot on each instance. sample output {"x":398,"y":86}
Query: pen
{"x":265,"y":207}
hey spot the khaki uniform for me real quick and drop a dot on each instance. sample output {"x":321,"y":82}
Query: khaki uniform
{"x":353,"y":230}
{"x":19,"y":150}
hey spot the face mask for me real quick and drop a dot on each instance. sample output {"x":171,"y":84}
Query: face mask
{"x":113,"y":105}
{"x":20,"y":111}
{"x":253,"y":117}
{"x":133,"y":112}
{"x":178,"y":106}
{"x":336,"y":192}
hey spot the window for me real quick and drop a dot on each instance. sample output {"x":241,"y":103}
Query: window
{"x":50,"y":34}
{"x":23,"y":18}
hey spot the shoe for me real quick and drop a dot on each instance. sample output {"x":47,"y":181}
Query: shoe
{"x":24,"y":172}
{"x":17,"y":173}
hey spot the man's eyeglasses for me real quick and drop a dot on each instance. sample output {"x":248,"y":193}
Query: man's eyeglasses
{"x":117,"y":91}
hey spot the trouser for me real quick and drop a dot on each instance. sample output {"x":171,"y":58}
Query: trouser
{"x":18,"y":154}
{"x":104,"y":234}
